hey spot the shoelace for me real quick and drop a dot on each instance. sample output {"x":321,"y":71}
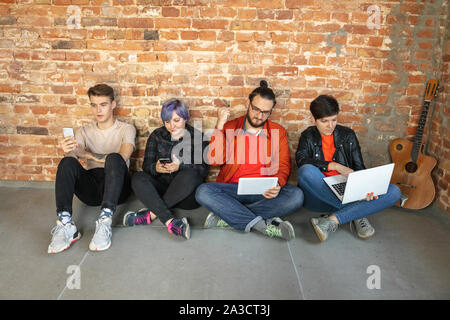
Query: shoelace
{"x":222,"y":224}
{"x":174,"y":229}
{"x":332,"y":227}
{"x":273,"y":231}
{"x":102,"y":229}
{"x":329,"y":225}
{"x":363,"y":223}
{"x":145,"y":219}
{"x":57,"y":231}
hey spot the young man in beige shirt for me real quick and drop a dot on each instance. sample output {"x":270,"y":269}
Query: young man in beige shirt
{"x":107,"y":145}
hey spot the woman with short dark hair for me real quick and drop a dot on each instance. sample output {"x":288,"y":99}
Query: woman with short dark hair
{"x":328,"y":149}
{"x":173,"y":168}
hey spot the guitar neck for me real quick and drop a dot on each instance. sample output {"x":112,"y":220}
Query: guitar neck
{"x":419,"y":133}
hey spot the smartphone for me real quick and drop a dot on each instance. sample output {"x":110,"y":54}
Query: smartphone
{"x":68,"y":132}
{"x":165,"y":160}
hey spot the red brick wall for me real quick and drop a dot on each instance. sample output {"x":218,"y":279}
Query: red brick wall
{"x":439,"y":145}
{"x":213,"y":53}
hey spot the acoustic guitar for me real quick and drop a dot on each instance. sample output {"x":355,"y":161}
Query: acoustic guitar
{"x":412,"y":170}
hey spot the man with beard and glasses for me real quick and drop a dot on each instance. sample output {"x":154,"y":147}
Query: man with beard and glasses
{"x":248,"y":147}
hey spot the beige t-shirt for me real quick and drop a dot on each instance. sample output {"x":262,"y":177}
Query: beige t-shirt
{"x":103,"y":142}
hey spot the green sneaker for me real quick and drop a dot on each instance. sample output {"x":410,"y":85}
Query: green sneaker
{"x":323,"y":227}
{"x":283,"y":230}
{"x":287,"y":230}
{"x":213,"y":221}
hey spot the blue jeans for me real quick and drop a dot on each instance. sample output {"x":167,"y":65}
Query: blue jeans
{"x":242,"y":212}
{"x":319,"y":197}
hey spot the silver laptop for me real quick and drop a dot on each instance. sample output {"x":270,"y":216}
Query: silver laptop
{"x":359,"y":183}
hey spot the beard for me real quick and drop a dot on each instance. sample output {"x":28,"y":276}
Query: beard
{"x":253,"y":124}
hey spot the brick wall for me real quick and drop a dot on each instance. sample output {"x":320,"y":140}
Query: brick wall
{"x":374,"y":56}
{"x":439,"y":145}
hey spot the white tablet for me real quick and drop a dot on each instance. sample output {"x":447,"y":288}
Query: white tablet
{"x":256,"y":185}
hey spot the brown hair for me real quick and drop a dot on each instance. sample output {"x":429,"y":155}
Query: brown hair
{"x":101,"y":90}
{"x":264,"y":91}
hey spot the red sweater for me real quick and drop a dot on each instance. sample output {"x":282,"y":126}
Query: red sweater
{"x":223,"y":151}
{"x":328,"y":149}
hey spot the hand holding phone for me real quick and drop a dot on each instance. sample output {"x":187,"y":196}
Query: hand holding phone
{"x":161,"y":165}
{"x":172,"y":166}
{"x":165,"y":160}
{"x":68,"y":144}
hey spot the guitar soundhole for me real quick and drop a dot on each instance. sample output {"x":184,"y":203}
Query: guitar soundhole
{"x":411,"y":167}
{"x":399,"y":147}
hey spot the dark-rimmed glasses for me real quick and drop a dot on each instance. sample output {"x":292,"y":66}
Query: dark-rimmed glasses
{"x":256,"y":109}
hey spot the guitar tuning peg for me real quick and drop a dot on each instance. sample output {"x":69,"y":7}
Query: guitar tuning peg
{"x":436,"y":93}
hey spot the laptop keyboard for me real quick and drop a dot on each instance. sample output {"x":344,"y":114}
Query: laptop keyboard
{"x":339,"y":187}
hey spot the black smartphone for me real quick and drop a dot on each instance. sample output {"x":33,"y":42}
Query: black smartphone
{"x":165,"y":160}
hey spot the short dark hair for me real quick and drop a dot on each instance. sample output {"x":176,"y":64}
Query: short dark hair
{"x":324,"y":106}
{"x":264,"y":92}
{"x":101,"y":90}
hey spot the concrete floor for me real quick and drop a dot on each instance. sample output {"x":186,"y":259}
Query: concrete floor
{"x":410,"y":252}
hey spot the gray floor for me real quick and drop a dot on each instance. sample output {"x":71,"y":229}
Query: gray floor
{"x":410,"y":253}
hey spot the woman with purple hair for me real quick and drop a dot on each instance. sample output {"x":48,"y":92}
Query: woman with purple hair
{"x":173,"y":168}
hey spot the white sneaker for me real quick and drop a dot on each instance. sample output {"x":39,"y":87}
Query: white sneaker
{"x":63,"y":235}
{"x":102,"y":237}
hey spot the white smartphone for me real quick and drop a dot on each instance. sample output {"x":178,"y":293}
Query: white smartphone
{"x":68,"y":132}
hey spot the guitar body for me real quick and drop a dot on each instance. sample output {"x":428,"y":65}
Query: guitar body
{"x":413,"y":179}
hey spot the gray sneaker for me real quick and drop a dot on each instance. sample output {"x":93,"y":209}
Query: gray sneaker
{"x":213,"y":221}
{"x":363,"y":228}
{"x":323,"y":227}
{"x":103,"y":234}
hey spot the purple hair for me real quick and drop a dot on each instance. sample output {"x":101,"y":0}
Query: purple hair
{"x":174,"y":105}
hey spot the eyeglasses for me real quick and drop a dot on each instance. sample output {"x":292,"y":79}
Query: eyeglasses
{"x":256,"y":109}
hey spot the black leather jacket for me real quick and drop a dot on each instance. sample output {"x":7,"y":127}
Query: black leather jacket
{"x":348,"y":151}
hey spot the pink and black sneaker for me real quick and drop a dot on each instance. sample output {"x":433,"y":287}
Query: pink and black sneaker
{"x":180,"y":227}
{"x":132,"y":218}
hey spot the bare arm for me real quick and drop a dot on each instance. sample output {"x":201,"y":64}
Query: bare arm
{"x":126,"y":150}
